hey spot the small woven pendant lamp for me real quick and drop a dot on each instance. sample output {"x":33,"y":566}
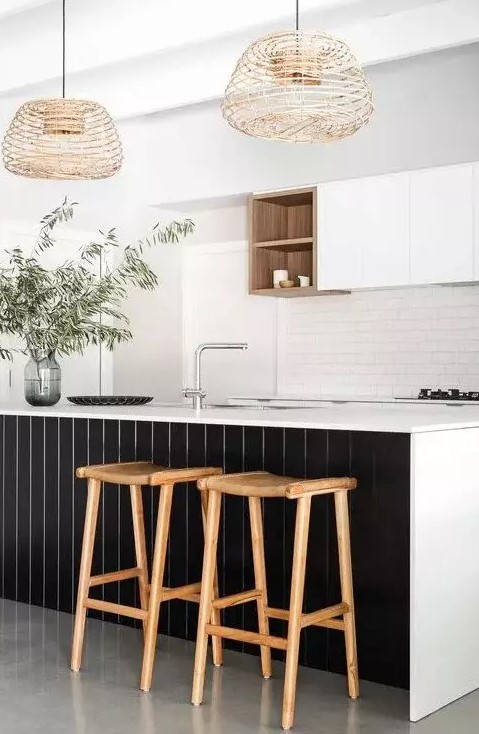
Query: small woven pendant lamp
{"x":62,"y":138}
{"x":298,"y":86}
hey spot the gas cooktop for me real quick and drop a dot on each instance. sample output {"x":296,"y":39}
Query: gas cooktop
{"x":451,"y":394}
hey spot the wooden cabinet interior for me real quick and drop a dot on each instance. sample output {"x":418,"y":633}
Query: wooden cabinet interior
{"x":282,"y":229}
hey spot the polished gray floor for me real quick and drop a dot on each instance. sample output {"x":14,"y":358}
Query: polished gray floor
{"x":38,"y":693}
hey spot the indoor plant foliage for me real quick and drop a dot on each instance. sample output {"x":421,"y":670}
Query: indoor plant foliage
{"x":64,"y":309}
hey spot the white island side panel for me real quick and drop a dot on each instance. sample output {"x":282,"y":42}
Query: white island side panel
{"x":444,"y":568}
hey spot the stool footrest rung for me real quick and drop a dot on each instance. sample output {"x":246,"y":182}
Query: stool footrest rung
{"x":189,"y":592}
{"x":320,"y":618}
{"x":108,"y":578}
{"x":234,"y":599}
{"x":107,"y":606}
{"x":324,"y":615}
{"x":256,"y":638}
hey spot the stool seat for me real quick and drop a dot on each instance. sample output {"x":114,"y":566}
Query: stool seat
{"x":264,"y":484}
{"x":142,"y":472}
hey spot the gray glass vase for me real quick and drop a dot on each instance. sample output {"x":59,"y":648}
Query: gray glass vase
{"x":42,"y":380}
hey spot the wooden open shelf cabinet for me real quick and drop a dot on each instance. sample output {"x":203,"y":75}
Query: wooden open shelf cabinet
{"x":282,"y":236}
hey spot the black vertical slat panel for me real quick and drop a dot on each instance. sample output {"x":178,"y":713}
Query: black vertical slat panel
{"x":66,"y":531}
{"x":178,"y":558}
{"x":52,"y":476}
{"x":23,"y":509}
{"x":37,"y":520}
{"x":161,"y":457}
{"x":215,"y":456}
{"x":10,"y":499}
{"x":294,"y":466}
{"x":90,"y":440}
{"x":315,"y":638}
{"x":274,"y":531}
{"x":339,"y":464}
{"x":110,"y":502}
{"x":128,"y":590}
{"x":380,"y":547}
{"x":144,"y":452}
{"x":80,"y":458}
{"x":196,"y":457}
{"x":252,"y":461}
{"x":233,"y":531}
{"x":2,"y":501}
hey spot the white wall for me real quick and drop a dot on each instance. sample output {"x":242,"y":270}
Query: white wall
{"x":426,"y":115}
{"x":151,"y":363}
{"x":217,"y":307}
{"x":382,"y":343}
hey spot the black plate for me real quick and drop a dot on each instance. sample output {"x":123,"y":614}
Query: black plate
{"x":109,"y":399}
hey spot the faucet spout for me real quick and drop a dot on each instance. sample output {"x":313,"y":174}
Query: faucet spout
{"x":197,"y":394}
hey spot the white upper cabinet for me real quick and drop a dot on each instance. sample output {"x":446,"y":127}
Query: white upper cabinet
{"x":441,"y":225}
{"x":384,"y":226}
{"x":364,"y":232}
{"x":339,"y":261}
{"x":412,"y":228}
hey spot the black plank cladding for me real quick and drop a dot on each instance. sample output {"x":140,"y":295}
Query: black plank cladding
{"x":43,"y":506}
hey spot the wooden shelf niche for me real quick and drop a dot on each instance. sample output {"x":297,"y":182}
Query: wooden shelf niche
{"x":282,"y":236}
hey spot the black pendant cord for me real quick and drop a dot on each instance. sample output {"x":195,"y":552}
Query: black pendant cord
{"x":297,"y":15}
{"x":63,"y":49}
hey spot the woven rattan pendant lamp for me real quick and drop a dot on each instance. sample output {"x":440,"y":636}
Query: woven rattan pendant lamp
{"x":298,"y":86}
{"x":62,"y":138}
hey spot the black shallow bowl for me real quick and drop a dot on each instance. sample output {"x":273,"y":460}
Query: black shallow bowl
{"x":109,"y":399}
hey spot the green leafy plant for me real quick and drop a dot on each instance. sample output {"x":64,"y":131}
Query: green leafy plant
{"x":64,"y":309}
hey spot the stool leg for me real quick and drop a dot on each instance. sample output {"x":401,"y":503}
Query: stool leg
{"x":346,"y":575}
{"x":94,"y":487}
{"x":296,"y":608}
{"x":140,"y":545}
{"x":157,"y":574}
{"x":216,"y":643}
{"x":207,"y":590}
{"x":257,"y":542}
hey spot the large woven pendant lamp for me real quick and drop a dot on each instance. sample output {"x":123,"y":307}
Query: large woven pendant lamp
{"x":298,"y":86}
{"x":62,"y":138}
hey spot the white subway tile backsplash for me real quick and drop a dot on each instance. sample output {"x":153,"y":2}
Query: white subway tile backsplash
{"x":380,"y":342}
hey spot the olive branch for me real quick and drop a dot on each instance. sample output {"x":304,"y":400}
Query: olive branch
{"x":63,"y":309}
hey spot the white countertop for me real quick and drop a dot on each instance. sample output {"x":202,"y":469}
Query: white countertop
{"x":383,"y":417}
{"x":301,"y":400}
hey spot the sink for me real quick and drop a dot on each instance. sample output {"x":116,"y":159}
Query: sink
{"x":263,"y":406}
{"x":236,"y":406}
{"x":168,"y":404}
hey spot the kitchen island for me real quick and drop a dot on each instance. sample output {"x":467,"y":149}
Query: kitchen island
{"x":414,"y":521}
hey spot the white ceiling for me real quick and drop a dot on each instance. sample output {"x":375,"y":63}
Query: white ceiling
{"x":152,"y":55}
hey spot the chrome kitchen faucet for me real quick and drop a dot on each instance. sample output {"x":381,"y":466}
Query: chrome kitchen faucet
{"x":197,"y":393}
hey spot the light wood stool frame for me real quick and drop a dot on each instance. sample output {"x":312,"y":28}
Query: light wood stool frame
{"x":256,"y":485}
{"x":135,"y":475}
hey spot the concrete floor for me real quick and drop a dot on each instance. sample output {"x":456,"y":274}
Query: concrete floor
{"x":38,"y":693}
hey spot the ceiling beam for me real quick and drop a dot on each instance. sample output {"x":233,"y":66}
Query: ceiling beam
{"x":200,"y":72}
{"x":102,"y":34}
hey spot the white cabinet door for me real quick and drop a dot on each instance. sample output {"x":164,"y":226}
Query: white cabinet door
{"x":364,"y":232}
{"x":441,"y":225}
{"x":475,"y":203}
{"x":339,"y":251}
{"x":383,"y":228}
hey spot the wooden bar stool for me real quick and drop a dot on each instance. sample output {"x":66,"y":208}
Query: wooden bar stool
{"x":135,"y":474}
{"x":257,"y":485}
